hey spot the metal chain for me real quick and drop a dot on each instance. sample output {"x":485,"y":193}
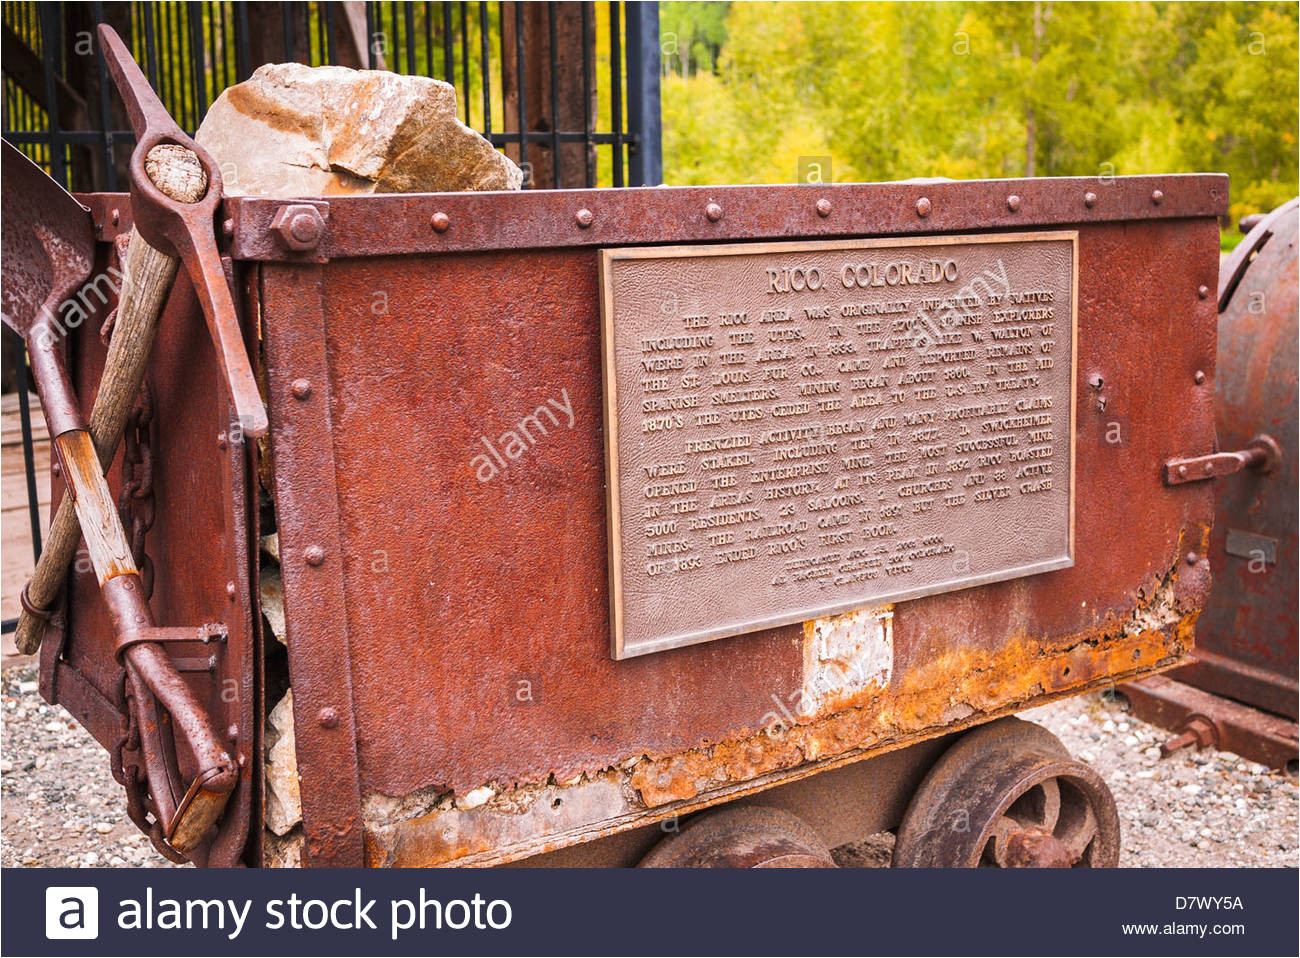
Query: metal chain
{"x":136,"y":501}
{"x":135,"y":505}
{"x":140,"y":806}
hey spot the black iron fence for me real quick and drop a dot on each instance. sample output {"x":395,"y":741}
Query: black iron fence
{"x":570,"y":91}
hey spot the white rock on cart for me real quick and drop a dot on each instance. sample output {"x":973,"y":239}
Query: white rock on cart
{"x":293,"y":130}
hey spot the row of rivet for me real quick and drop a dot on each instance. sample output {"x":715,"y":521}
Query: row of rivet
{"x":314,"y":555}
{"x":584,"y":217}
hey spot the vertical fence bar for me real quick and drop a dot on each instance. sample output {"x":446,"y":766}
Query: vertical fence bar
{"x":51,"y":31}
{"x":616,"y":89}
{"x":555,"y":95}
{"x":464,"y":57}
{"x":588,"y":46}
{"x":485,"y":67}
{"x":409,"y":10}
{"x":644,"y":117}
{"x":520,"y":96}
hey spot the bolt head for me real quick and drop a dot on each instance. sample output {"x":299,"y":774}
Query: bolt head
{"x":1199,"y":377}
{"x":1095,"y":381}
{"x":823,"y":207}
{"x":115,"y":215}
{"x":1203,"y":291}
{"x":314,"y":555}
{"x":440,"y":221}
{"x":923,"y":206}
{"x":1090,"y":199}
{"x":714,"y":212}
{"x":300,"y":226}
{"x":301,"y":388}
{"x":328,"y":718}
{"x":227,"y":227}
{"x":1209,"y":468}
{"x":1157,"y":196}
{"x":1182,"y":471}
{"x":1193,"y":558}
{"x":584,"y":217}
{"x":230,"y":589}
{"x":1013,"y":202}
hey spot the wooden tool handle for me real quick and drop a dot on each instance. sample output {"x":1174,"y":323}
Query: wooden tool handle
{"x":110,"y":552}
{"x":148,"y":278}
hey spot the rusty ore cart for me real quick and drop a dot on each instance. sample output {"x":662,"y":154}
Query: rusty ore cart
{"x":801,"y":506}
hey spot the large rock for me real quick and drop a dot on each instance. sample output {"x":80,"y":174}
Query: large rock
{"x":291,"y":130}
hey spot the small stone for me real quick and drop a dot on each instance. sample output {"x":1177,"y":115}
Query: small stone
{"x":282,"y":805}
{"x":477,"y":797}
{"x":103,"y":827}
{"x":27,"y":688}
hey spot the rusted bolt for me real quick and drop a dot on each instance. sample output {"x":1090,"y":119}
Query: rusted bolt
{"x":1157,"y":196}
{"x":823,"y":207}
{"x":1203,"y":291}
{"x":440,"y":221}
{"x":923,"y":206}
{"x":230,"y":589}
{"x":1095,"y":381}
{"x":301,"y":388}
{"x":584,"y":217}
{"x":300,"y":225}
{"x":228,"y":227}
{"x":1090,"y":199}
{"x":1182,"y":471}
{"x":1013,"y":202}
{"x":1193,"y":558}
{"x":232,"y":733}
{"x":314,"y":555}
{"x":222,"y":443}
{"x":115,"y":215}
{"x":1199,"y":377}
{"x":328,"y":718}
{"x":1208,"y":468}
{"x":56,"y":469}
{"x":714,"y":212}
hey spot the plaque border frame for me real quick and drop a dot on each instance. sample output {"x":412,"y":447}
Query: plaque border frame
{"x":619,"y":648}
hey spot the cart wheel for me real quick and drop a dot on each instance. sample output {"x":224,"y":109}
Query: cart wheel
{"x":1009,"y":795}
{"x":744,"y":836}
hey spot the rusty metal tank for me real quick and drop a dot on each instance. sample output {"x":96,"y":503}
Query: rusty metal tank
{"x":1239,"y":692}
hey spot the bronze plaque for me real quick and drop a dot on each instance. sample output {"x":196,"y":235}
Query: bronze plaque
{"x":795,"y":430}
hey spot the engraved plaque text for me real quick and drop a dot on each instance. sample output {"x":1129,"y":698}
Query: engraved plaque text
{"x":798,"y":429}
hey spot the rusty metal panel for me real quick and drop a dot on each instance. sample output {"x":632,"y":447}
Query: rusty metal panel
{"x":549,"y":219}
{"x":198,"y":547}
{"x":315,"y":563}
{"x":490,"y":721}
{"x":798,"y":429}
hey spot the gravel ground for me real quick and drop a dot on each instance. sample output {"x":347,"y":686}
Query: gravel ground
{"x":62,"y":808}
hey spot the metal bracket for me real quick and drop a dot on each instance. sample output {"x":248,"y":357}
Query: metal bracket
{"x":1262,"y":454}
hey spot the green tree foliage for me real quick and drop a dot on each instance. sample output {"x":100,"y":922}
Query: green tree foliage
{"x":898,"y":90}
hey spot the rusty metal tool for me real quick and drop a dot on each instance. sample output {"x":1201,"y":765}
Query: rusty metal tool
{"x":48,"y":251}
{"x":172,"y":226}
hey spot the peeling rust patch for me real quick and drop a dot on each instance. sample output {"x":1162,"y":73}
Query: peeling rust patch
{"x":955,"y":689}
